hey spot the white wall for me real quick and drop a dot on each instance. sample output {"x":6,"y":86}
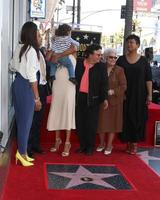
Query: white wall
{"x":13,"y":13}
{"x":4,"y":67}
{"x":1,"y":5}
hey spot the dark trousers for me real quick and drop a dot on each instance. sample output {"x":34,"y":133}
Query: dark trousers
{"x":23,"y":100}
{"x":34,"y":136}
{"x":86,"y":122}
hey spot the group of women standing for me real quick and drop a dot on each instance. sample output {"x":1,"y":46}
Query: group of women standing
{"x":122,"y":88}
{"x":129,"y":91}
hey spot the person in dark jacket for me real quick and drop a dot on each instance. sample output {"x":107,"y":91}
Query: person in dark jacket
{"x":91,"y":90}
{"x":34,"y":136}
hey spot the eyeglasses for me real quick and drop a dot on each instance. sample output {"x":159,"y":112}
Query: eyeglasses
{"x":112,"y":57}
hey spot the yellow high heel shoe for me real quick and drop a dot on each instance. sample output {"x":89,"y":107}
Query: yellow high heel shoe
{"x":67,"y":147}
{"x":56,"y":145}
{"x":23,"y":162}
{"x":29,"y":159}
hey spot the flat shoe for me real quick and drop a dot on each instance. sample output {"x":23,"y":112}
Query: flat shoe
{"x":79,"y":150}
{"x":89,"y":152}
{"x":100,"y":148}
{"x":107,"y":152}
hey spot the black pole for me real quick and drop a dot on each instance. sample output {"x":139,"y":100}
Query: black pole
{"x":128,"y":22}
{"x":78,"y":11}
{"x":73,"y":12}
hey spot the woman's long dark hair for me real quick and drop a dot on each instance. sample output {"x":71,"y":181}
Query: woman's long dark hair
{"x":29,"y":38}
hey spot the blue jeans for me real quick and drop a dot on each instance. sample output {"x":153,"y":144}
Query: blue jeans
{"x":66,"y":62}
{"x":23,"y":100}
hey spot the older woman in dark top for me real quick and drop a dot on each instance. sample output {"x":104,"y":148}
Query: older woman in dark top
{"x":138,"y":94}
{"x":110,"y":120}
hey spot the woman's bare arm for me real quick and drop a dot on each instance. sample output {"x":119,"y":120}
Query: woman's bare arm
{"x":149,"y":91}
{"x":38,"y":104}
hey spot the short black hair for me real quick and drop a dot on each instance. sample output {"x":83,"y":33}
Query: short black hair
{"x":91,"y":48}
{"x":63,"y":30}
{"x":155,"y":62}
{"x":133,"y":37}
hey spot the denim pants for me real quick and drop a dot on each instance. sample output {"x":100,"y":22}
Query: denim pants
{"x":66,"y":62}
{"x":23,"y":100}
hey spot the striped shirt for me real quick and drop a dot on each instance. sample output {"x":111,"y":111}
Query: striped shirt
{"x":62,"y":43}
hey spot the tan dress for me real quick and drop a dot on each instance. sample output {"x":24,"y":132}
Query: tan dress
{"x":110,"y":120}
{"x":62,"y":111}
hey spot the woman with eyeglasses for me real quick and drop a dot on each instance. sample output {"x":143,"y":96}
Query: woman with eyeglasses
{"x":138,"y":94}
{"x":91,"y":90}
{"x":110,"y":120}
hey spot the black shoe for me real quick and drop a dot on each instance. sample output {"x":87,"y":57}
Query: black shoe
{"x":50,"y":81}
{"x":38,"y":150}
{"x":89,"y":152}
{"x":73,"y":80}
{"x":80,"y":150}
{"x":30,"y":154}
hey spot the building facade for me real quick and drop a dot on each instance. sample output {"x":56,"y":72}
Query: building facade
{"x":13,"y":13}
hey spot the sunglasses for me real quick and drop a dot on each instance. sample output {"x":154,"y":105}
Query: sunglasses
{"x":112,"y":57}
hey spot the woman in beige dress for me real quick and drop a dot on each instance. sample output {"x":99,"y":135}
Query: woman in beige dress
{"x":110,"y":120}
{"x":62,"y":110}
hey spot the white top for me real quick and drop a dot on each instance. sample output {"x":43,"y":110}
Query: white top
{"x":29,"y":65}
{"x":62,"y":43}
{"x":42,"y":69}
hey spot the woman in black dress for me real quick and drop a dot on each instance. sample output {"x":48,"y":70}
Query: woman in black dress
{"x":138,"y":94}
